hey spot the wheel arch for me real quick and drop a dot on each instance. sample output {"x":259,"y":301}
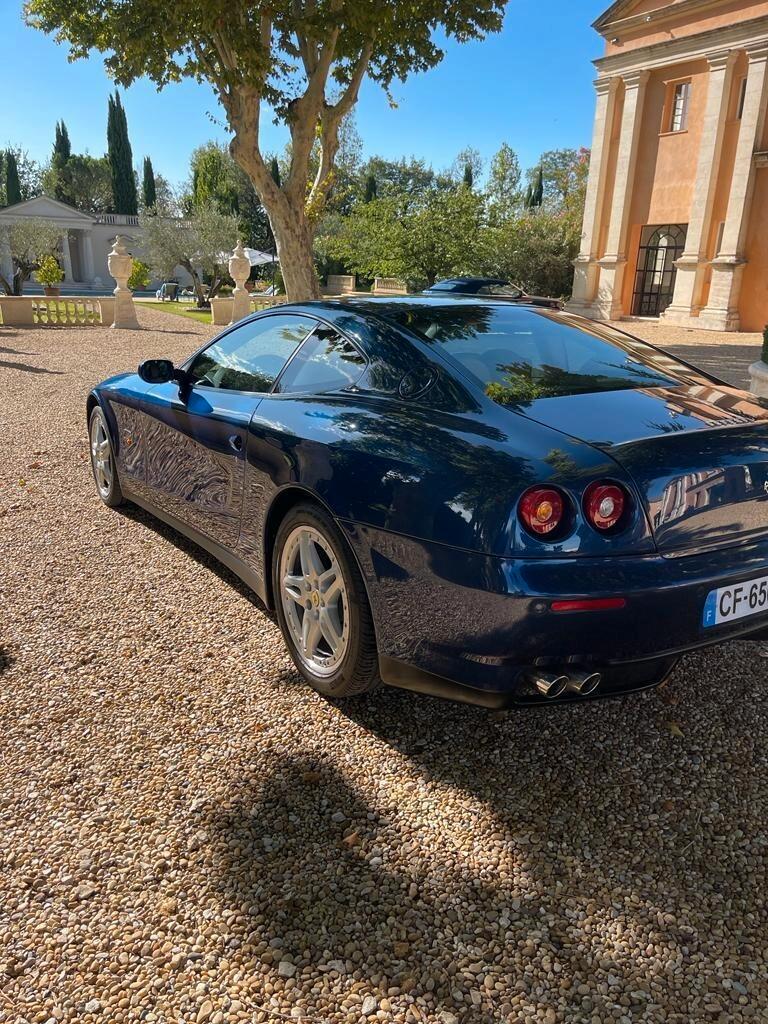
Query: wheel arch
{"x":282,"y":503}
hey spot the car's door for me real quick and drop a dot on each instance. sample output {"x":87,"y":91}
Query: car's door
{"x":197,"y":434}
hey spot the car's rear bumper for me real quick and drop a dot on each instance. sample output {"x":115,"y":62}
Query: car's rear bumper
{"x":456,"y":620}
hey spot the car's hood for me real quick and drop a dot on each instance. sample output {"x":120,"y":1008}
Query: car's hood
{"x":698,"y":454}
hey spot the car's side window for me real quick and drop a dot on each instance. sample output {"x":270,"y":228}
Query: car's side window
{"x":251,"y":357}
{"x":325,"y":362}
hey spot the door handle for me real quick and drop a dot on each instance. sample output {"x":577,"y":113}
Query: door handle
{"x":235,"y":442}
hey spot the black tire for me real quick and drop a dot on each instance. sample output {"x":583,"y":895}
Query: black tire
{"x":110,"y":493}
{"x":358,"y":669}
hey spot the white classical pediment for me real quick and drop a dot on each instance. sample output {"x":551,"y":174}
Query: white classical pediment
{"x":48,"y":209}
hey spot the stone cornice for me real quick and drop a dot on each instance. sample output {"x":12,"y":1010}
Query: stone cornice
{"x":611,"y":23}
{"x":702,"y":45}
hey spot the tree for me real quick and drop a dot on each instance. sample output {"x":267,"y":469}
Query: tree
{"x":28,"y":240}
{"x":537,"y":190}
{"x":140,"y":276}
{"x":26,"y":171}
{"x":503,"y":186}
{"x":561,"y":172}
{"x":12,"y":182}
{"x":535,"y":251}
{"x":201,"y":244}
{"x":62,"y":151}
{"x":291,"y":56}
{"x":124,"y":193}
{"x":148,"y":185}
{"x":370,"y":188}
{"x":217,"y":179}
{"x":467,"y":167}
{"x":274,"y":170}
{"x":395,"y":237}
{"x":84,"y":182}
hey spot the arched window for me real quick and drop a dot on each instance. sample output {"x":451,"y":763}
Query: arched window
{"x":660,"y":247}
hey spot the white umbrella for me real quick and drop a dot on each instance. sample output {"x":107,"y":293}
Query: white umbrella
{"x":256,"y":256}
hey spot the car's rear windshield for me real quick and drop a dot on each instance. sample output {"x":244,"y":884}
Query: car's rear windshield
{"x":521,"y":354}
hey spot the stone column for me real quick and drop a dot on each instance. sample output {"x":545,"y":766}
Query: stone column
{"x":66,"y":257}
{"x":239,"y":269}
{"x":585,"y":265}
{"x":613,"y":264}
{"x":693,"y":263}
{"x":722,"y":310}
{"x":120,"y":264}
{"x":88,"y":256}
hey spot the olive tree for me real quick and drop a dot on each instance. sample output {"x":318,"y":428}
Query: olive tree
{"x":306,"y":59}
{"x":27,"y":240}
{"x":201,"y":244}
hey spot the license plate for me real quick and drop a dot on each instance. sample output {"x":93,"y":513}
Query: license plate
{"x":736,"y":602}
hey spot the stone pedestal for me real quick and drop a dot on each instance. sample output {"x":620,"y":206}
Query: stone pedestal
{"x":758,"y":373}
{"x":239,"y":270}
{"x":221,"y":311}
{"x":120,"y":264}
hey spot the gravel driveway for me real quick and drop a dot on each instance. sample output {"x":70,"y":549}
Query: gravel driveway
{"x":190,"y":835}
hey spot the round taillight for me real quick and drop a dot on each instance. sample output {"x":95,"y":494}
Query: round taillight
{"x":541,"y":510}
{"x":604,"y":505}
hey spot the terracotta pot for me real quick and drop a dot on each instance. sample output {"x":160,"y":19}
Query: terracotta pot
{"x":52,"y":291}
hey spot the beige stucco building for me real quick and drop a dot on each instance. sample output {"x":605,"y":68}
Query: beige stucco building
{"x":85,"y":242}
{"x":676,"y":217}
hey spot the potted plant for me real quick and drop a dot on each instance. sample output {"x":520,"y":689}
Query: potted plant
{"x":50,"y":275}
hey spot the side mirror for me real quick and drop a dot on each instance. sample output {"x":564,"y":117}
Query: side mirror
{"x":157,"y":371}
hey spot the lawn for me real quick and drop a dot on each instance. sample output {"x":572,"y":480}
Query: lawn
{"x":202,"y":316}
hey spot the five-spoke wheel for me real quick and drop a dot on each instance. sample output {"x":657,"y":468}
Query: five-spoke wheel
{"x":103,"y":460}
{"x":322,"y":605}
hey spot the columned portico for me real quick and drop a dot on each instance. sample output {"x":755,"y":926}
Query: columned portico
{"x":722,"y":310}
{"x":692,"y":265}
{"x":66,"y":257}
{"x":676,"y":195}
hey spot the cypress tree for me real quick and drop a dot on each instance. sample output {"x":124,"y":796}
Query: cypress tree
{"x":275,"y":170}
{"x":370,"y":188}
{"x":124,"y":197}
{"x":12,"y":183}
{"x":62,"y":151}
{"x":468,"y":176}
{"x":537,"y":192}
{"x":528,"y":201}
{"x":148,"y":185}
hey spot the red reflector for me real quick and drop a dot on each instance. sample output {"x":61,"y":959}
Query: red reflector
{"x":597,"y":604}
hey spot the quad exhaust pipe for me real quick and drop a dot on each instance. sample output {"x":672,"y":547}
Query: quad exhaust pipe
{"x":555,"y":684}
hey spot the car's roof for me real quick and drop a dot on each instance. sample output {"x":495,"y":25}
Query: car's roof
{"x":469,"y":280}
{"x":427,"y":300}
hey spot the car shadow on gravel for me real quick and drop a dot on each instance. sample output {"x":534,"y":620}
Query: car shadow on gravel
{"x":599,"y":813}
{"x":192,"y":550}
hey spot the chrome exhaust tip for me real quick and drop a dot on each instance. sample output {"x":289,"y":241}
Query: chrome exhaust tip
{"x":584,"y":683}
{"x":550,"y":685}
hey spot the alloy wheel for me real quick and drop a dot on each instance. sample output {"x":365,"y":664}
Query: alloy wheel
{"x":101,"y":456}
{"x":315,"y":600}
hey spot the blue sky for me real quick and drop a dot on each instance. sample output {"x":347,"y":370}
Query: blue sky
{"x":530,"y":86}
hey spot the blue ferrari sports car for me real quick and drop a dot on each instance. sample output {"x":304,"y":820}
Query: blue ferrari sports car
{"x":498,"y":503}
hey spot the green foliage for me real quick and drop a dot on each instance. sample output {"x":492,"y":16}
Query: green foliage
{"x":28,"y":239}
{"x":12,"y":181}
{"x":468,"y":176}
{"x":418,"y":240}
{"x":537,"y":190}
{"x":140,"y":276}
{"x":24,"y":170}
{"x":562,"y":173}
{"x":503,"y":186}
{"x":371,"y":188}
{"x":306,"y":60}
{"x":467,"y":167}
{"x":124,"y":192}
{"x":148,"y":185}
{"x":62,"y":148}
{"x":274,"y":170}
{"x":201,"y":244}
{"x":49,"y":273}
{"x":84,"y":182}
{"x":534,"y":250}
{"x":218,"y":180}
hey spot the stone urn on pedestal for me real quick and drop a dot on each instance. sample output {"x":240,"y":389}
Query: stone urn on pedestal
{"x":758,"y":372}
{"x":239,"y":271}
{"x":120,"y":263}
